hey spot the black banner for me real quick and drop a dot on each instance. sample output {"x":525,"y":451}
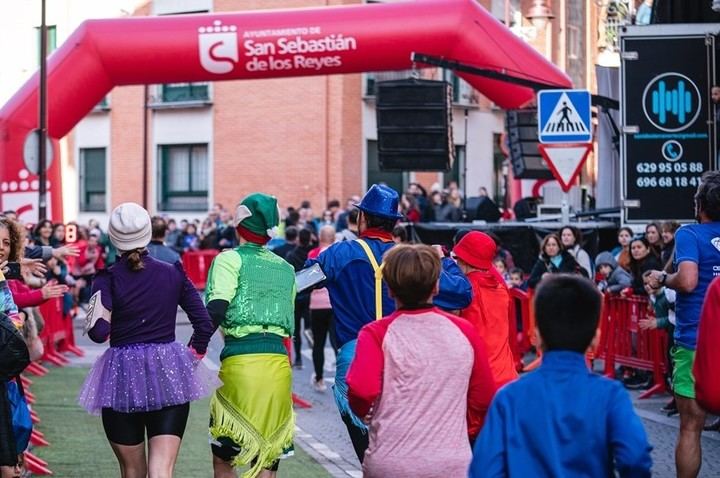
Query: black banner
{"x":667,"y":116}
{"x":522,"y":241}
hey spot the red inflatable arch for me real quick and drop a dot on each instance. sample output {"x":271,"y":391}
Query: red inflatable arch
{"x":102,"y":54}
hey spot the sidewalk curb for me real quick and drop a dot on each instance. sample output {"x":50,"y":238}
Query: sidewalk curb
{"x":325,"y":457}
{"x":671,"y":422}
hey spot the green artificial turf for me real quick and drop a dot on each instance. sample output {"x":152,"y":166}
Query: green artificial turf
{"x":78,"y":447}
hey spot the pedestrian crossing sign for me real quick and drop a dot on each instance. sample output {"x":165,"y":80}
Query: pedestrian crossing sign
{"x":564,"y":116}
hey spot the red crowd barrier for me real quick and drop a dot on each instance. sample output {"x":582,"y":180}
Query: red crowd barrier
{"x":197,"y":265}
{"x":521,"y":304}
{"x":520,"y":341}
{"x":32,"y":463}
{"x":57,"y":335}
{"x":624,"y":343}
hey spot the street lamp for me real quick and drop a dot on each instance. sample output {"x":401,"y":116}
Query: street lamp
{"x":539,"y":14}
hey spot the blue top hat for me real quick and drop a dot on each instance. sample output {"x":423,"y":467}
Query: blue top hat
{"x":380,"y":200}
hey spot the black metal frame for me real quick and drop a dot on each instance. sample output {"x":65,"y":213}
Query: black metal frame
{"x":597,"y":100}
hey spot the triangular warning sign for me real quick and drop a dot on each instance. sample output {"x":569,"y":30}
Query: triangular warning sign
{"x":564,"y":119}
{"x":565,"y":161}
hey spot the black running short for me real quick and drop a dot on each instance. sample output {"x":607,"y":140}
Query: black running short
{"x":130,"y":428}
{"x":226,"y":449}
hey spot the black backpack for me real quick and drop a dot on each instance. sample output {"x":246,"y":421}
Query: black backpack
{"x":14,"y":355}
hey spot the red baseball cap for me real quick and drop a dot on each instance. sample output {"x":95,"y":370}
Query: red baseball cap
{"x":477,"y":249}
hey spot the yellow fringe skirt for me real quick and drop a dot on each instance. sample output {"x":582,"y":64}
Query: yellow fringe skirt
{"x":253,"y":408}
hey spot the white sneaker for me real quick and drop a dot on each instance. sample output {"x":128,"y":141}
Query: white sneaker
{"x":318,"y":385}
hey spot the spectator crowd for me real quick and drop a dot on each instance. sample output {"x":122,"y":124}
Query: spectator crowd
{"x":63,"y":261}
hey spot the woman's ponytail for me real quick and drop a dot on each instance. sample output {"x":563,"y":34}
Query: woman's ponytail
{"x":135,"y":260}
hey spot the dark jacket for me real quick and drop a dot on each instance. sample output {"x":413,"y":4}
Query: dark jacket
{"x":638,"y":268}
{"x":618,"y":279}
{"x":172,"y":239}
{"x":226,"y":237}
{"x":297,"y":257}
{"x":38,"y":252}
{"x":543,"y":265}
{"x":285,"y":249}
{"x":14,"y":357}
{"x":667,"y":252}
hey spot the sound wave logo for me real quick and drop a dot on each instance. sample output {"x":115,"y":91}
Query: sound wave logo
{"x":671,"y":102}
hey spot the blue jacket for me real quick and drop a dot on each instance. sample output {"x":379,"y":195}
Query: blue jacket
{"x":562,"y":421}
{"x":161,"y":252}
{"x":351,"y":284}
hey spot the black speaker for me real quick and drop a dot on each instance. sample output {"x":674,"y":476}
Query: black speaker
{"x":525,"y":158}
{"x":414,"y":119}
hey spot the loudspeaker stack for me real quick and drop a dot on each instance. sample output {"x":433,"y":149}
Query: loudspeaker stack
{"x":414,"y":122}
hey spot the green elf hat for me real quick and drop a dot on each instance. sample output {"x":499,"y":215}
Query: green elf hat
{"x":257,"y":218}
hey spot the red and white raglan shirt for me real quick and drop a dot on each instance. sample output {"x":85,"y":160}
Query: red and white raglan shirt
{"x":422,"y":378}
{"x":707,"y":352}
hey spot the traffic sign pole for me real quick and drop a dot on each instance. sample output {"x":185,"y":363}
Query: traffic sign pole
{"x":565,"y":208}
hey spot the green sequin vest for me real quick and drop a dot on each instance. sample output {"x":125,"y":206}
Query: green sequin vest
{"x":266,"y":291}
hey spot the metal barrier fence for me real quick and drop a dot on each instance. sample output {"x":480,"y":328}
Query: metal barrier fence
{"x":622,"y":342}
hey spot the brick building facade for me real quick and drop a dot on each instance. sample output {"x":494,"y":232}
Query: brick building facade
{"x":181,"y":148}
{"x":301,"y":138}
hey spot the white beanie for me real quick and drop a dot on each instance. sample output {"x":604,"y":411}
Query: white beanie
{"x":130,"y":227}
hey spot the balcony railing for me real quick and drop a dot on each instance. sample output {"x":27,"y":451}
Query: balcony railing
{"x":614,"y":15}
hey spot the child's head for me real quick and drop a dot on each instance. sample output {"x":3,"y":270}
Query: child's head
{"x":652,"y":291}
{"x":605,"y":270}
{"x":648,"y":288}
{"x":499,"y":265}
{"x":14,"y":471}
{"x":516,"y":276}
{"x":567,"y":311}
{"x":605,"y":263}
{"x":476,"y":250}
{"x":412,"y":273}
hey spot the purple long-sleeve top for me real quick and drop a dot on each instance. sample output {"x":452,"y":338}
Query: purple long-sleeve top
{"x":144,"y":304}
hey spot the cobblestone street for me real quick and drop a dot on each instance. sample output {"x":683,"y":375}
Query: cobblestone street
{"x":323,"y":423}
{"x":322,"y":435}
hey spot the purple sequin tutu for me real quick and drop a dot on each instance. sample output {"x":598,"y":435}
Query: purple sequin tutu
{"x":145,"y":377}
